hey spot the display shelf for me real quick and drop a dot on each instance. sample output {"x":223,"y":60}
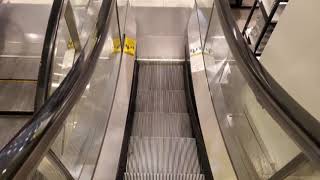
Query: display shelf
{"x":258,"y":35}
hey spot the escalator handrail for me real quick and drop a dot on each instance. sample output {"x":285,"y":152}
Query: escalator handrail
{"x":25,"y":151}
{"x":298,"y":123}
{"x":47,"y":55}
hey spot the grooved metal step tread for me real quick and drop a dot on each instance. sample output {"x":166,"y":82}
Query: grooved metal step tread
{"x":162,"y":155}
{"x":161,"y":125}
{"x":161,"y":101}
{"x":147,"y":176}
{"x":160,"y":76}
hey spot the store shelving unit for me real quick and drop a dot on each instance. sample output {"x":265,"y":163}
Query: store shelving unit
{"x":269,"y":12}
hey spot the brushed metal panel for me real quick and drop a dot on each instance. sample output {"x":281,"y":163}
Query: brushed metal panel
{"x":162,"y":21}
{"x":107,"y":164}
{"x":161,"y":47}
{"x":219,"y":159}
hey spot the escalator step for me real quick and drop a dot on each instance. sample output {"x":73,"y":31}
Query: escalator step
{"x":162,"y":155}
{"x":161,"y":101}
{"x":161,"y":77}
{"x":17,"y":95}
{"x":161,"y":125}
{"x":145,"y":176}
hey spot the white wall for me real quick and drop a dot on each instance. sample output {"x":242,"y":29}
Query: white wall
{"x":292,"y":55}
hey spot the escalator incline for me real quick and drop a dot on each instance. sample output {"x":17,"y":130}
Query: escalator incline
{"x":162,"y":145}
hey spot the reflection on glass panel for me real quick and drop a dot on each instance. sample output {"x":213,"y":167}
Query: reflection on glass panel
{"x":162,"y":3}
{"x":79,"y":142}
{"x":204,"y":9}
{"x":259,"y":145}
{"x":48,"y":170}
{"x":85,"y":14}
{"x":122,"y":6}
{"x":305,"y":172}
{"x":63,"y":57}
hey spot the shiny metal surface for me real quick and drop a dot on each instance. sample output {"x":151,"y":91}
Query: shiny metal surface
{"x":161,"y":47}
{"x":19,"y":67}
{"x":17,"y":95}
{"x":161,"y":92}
{"x":225,"y":81}
{"x":48,"y":54}
{"x":79,"y":143}
{"x":72,"y":26}
{"x":162,"y":3}
{"x":37,"y":136}
{"x":9,"y":126}
{"x":51,"y":168}
{"x":23,"y":36}
{"x":107,"y":165}
{"x":219,"y":160}
{"x":248,"y":103}
{"x":110,"y":153}
{"x":162,"y":21}
{"x":21,"y":41}
{"x":283,"y":109}
{"x":161,"y":32}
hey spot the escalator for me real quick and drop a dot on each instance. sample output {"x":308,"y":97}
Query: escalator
{"x":21,"y":41}
{"x":162,"y":144}
{"x":165,"y":92}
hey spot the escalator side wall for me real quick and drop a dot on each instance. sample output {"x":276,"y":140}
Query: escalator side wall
{"x":195,"y":124}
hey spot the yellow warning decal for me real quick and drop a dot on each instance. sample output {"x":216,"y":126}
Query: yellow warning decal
{"x":130,"y":46}
{"x":116,"y":45}
{"x":70,"y":44}
{"x":195,"y":51}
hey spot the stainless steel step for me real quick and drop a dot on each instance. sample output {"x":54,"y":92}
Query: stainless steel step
{"x":162,"y":155}
{"x":19,"y":67}
{"x":160,"y":76}
{"x":161,"y":125}
{"x":173,"y":101}
{"x":9,"y":126}
{"x":17,"y":95}
{"x":146,"y":176}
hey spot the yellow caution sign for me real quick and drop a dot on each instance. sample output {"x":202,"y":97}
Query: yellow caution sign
{"x":130,"y":46}
{"x":116,"y":45}
{"x":70,"y":44}
{"x":195,"y":51}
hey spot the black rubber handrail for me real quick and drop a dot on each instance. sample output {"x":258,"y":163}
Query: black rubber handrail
{"x":298,"y":123}
{"x":47,"y":55}
{"x":25,"y":151}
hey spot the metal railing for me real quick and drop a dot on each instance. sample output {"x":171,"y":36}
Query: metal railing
{"x":20,"y":157}
{"x":296,"y":121}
